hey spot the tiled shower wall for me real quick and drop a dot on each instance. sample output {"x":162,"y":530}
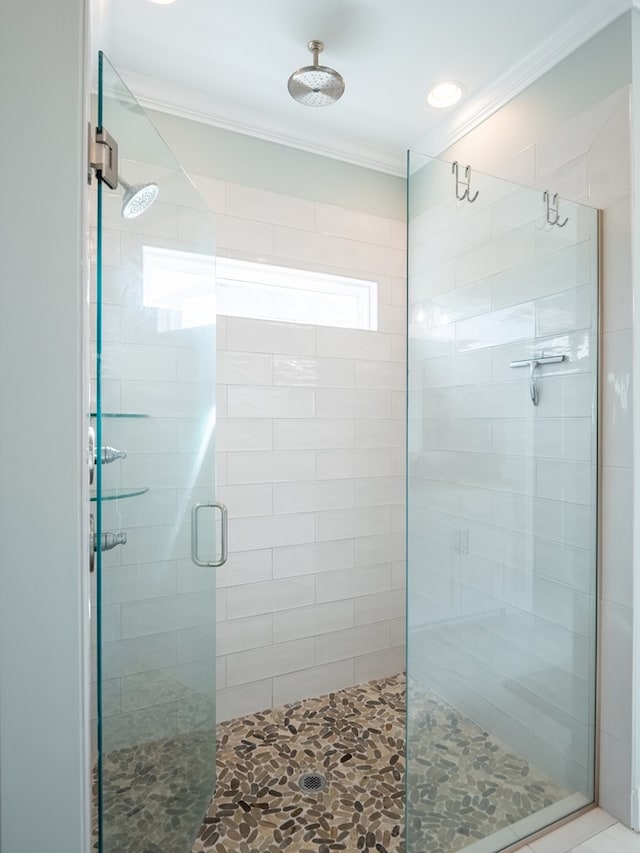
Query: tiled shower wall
{"x":502,"y":493}
{"x":587,"y":158}
{"x":156,"y":605}
{"x":310,"y":435}
{"x":311,"y":462}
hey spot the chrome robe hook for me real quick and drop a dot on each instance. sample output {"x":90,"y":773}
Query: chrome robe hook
{"x":465,"y":183}
{"x":553,"y":209}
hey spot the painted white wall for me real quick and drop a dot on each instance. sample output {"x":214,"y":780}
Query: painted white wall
{"x":44,"y":776}
{"x":236,"y":158}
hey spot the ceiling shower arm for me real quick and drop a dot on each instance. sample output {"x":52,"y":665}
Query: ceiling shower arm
{"x":316,"y":47}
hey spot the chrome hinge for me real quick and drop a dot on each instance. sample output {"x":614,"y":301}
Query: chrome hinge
{"x":103,"y":157}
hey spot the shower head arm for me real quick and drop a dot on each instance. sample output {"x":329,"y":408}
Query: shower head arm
{"x":316,"y":47}
{"x":137,"y":199}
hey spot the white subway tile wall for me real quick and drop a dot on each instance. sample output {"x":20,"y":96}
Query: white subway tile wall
{"x":314,"y":416}
{"x":310,"y":439}
{"x":157,"y":619}
{"x":601,"y":136}
{"x":501,"y":493}
{"x":585,"y":160}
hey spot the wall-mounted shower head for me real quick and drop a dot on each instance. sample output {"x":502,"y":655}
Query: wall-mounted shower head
{"x":316,"y":85}
{"x":137,"y":199}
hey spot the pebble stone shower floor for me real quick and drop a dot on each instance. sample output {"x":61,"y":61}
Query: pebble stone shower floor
{"x":463,"y":784}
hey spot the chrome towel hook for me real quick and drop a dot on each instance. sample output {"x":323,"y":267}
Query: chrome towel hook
{"x":464,"y":183}
{"x":553,"y":209}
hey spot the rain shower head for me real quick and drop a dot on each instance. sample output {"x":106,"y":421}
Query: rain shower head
{"x":316,"y":85}
{"x":137,"y":199}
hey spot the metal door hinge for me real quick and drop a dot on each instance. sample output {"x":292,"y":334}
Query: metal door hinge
{"x":103,"y":157}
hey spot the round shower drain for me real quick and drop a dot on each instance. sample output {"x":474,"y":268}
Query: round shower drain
{"x":312,"y":783}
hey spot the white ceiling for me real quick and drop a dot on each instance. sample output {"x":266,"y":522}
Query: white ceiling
{"x":227,"y":62}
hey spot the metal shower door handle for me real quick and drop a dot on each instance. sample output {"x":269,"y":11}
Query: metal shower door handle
{"x":213,"y":564}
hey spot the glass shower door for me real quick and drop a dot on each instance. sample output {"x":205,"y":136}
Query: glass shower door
{"x":154,"y":414}
{"x":502,"y":509}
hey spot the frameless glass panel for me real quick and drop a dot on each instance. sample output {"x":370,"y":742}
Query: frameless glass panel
{"x":502,"y":360}
{"x":155,"y":416}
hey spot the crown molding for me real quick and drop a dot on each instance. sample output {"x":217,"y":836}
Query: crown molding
{"x":594,"y":16}
{"x":196,"y":106}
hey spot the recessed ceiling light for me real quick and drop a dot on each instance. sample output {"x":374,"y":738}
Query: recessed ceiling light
{"x":445,"y":95}
{"x":163,"y":2}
